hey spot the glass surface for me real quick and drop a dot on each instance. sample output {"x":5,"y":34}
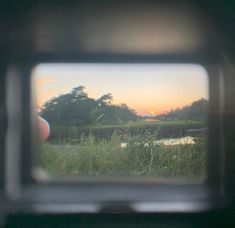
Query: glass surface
{"x":128,"y":121}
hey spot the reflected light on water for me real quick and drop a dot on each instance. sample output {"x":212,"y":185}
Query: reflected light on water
{"x":169,"y":141}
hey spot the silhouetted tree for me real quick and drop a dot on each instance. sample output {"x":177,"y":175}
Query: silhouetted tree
{"x":77,"y":109}
{"x":198,"y":110}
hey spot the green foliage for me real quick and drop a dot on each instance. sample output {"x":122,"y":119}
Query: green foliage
{"x":196,"y":111}
{"x":141,"y":156}
{"x":96,"y":138}
{"x":174,"y":128}
{"x":77,"y":109}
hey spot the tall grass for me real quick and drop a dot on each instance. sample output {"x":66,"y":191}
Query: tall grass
{"x":141,"y":156}
{"x":173,"y":128}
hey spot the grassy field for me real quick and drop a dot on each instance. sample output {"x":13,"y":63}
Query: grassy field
{"x":142,"y":156}
{"x":173,"y":128}
{"x":143,"y":123}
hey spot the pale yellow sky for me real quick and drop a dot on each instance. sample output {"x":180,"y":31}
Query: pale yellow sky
{"x":143,"y":87}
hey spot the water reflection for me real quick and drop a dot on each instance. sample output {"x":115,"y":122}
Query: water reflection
{"x":176,"y":141}
{"x":169,"y":141}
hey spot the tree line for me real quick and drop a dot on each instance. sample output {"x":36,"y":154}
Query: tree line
{"x":197,"y":110}
{"x":76,"y":108}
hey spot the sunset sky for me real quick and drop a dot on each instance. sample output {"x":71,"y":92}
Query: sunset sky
{"x":146,"y":88}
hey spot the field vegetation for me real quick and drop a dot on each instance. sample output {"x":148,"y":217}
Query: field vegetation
{"x":141,"y":156}
{"x":87,"y":138}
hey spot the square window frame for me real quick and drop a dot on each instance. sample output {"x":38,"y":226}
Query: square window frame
{"x":94,"y":197}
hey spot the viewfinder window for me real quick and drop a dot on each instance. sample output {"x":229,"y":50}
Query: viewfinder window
{"x":123,"y":121}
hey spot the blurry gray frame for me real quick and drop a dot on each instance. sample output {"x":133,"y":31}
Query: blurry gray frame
{"x":93,"y":196}
{"x":46,"y":40}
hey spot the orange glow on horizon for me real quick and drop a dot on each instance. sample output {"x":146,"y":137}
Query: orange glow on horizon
{"x":152,"y":112}
{"x":158,"y":108}
{"x":143,"y":108}
{"x":174,"y":87}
